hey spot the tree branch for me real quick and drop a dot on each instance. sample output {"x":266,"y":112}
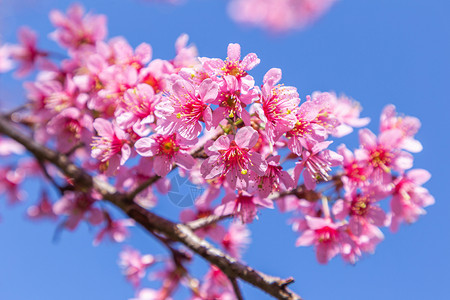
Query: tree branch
{"x":143,"y":186}
{"x":177,"y":232}
{"x":206,"y":221}
{"x":237,"y":290}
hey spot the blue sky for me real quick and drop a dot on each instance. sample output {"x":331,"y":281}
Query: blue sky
{"x":377,"y":52}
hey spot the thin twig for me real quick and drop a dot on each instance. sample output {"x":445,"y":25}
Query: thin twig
{"x":50,"y":178}
{"x":236,"y":288}
{"x":206,"y":221}
{"x":143,"y":186}
{"x":75,"y":148}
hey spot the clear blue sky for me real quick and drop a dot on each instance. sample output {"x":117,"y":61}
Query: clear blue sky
{"x":377,"y":52}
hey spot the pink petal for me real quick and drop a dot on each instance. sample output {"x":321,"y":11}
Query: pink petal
{"x":183,"y":87}
{"x":208,"y":90}
{"x":162,"y":165}
{"x":340,"y":209}
{"x":306,"y":239}
{"x":207,"y":118}
{"x":403,"y":161}
{"x":184,"y":160}
{"x":234,"y":52}
{"x":126,"y":152}
{"x":418,"y":176}
{"x":391,"y":138}
{"x":411,"y":145}
{"x":144,"y":52}
{"x":222,"y":143}
{"x":257,"y":163}
{"x":103,"y":127}
{"x":146,"y":147}
{"x":225,"y":209}
{"x":250,"y":61}
{"x":246,"y":137}
{"x":211,"y":170}
{"x":272,"y":77}
{"x":367,"y":139}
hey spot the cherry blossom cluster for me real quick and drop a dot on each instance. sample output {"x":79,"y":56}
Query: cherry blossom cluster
{"x":278,"y":15}
{"x":274,"y":15}
{"x":131,"y":120}
{"x":379,"y":169}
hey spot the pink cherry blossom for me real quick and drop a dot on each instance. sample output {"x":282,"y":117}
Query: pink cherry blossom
{"x":10,"y":181}
{"x":316,"y":164}
{"x":156,"y":74}
{"x":293,"y":203}
{"x":243,"y":206}
{"x":408,"y":126}
{"x":166,"y":150}
{"x":356,"y":171}
{"x":216,"y":285}
{"x":409,"y":197}
{"x":347,"y":112}
{"x":186,"y":107}
{"x":134,"y":265}
{"x":62,"y":96}
{"x":233,"y":65}
{"x":236,"y":239}
{"x":383,"y":154}
{"x":76,"y":29}
{"x":111,"y":144}
{"x":325,"y":235}
{"x":124,"y":54}
{"x":362,"y":210}
{"x":305,"y":130}
{"x":87,"y":79}
{"x":231,"y":157}
{"x":278,"y":105}
{"x":232,"y":99}
{"x":42,"y":210}
{"x":275,"y":179}
{"x":27,"y":53}
{"x":186,"y":55}
{"x":171,"y":278}
{"x":77,"y":207}
{"x":70,"y":127}
{"x":116,"y":80}
{"x":326,"y":117}
{"x":138,"y":109}
{"x":115,"y":229}
{"x":278,"y":15}
{"x":353,"y":247}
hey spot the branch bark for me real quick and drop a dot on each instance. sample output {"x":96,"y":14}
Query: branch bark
{"x":206,"y":221}
{"x":182,"y":233}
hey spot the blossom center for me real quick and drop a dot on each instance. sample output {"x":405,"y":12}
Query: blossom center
{"x":167,"y":145}
{"x":326,"y":234}
{"x":381,"y":158}
{"x":360,"y":206}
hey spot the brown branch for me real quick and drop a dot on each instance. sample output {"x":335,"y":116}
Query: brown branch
{"x":206,"y":221}
{"x":50,"y":178}
{"x":176,"y":232}
{"x":143,"y":186}
{"x":237,"y":290}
